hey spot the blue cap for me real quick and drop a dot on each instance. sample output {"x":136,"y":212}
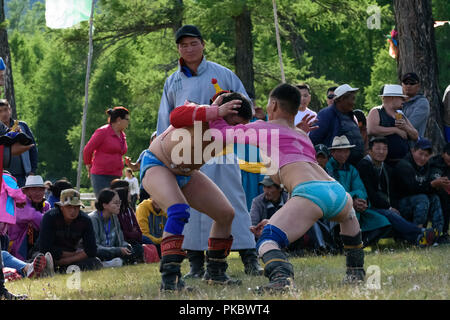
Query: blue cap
{"x":2,"y":64}
{"x":424,"y":144}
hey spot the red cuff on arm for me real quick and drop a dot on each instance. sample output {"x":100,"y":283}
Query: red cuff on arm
{"x":185,"y":116}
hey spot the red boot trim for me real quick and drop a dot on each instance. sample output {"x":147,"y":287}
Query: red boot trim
{"x":172,"y":245}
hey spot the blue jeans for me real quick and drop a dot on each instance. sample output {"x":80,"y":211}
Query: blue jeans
{"x":12,"y":262}
{"x":421,"y":208}
{"x":401,"y":228}
{"x":101,"y":181}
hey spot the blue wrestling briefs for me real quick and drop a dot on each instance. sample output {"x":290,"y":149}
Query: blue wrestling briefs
{"x":330,"y":196}
{"x":150,"y":160}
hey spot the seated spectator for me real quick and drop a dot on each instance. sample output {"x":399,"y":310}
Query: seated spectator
{"x":339,"y":119}
{"x":112,"y":249}
{"x":127,"y":218}
{"x":41,"y":265}
{"x":47,"y":185}
{"x":377,"y":177}
{"x":415,"y":188}
{"x":151,"y":219}
{"x":440,"y":167}
{"x":374,"y":226}
{"x":388,"y":121}
{"x":416,"y":107}
{"x":25,"y":232}
{"x":269,"y":202}
{"x":322,"y":155}
{"x":62,"y":229}
{"x":303,"y":109}
{"x":55,"y":191}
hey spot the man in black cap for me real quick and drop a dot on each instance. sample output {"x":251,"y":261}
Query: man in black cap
{"x":415,"y":189}
{"x":197,"y":80}
{"x":416,"y":108}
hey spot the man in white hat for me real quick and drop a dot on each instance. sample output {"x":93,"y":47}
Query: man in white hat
{"x":24,"y":233}
{"x":388,"y":121}
{"x":338,"y":119}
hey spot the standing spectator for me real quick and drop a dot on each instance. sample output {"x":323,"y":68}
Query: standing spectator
{"x":112,"y":249}
{"x":388,"y":121}
{"x":416,"y":108}
{"x":56,"y":189}
{"x":134,"y":186}
{"x":62,"y":229}
{"x":151,"y":219}
{"x":440,"y":167}
{"x":6,"y":151}
{"x":192,"y":82}
{"x":25,"y":164}
{"x":103,"y":153}
{"x":25,"y":232}
{"x":415,"y":188}
{"x":362,"y":124}
{"x":337,"y":120}
{"x":127,"y":218}
{"x":374,"y":226}
{"x":303,"y":109}
{"x":330,"y":96}
{"x":376,"y":176}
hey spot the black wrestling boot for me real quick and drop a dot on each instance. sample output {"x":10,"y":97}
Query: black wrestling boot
{"x":354,"y":253}
{"x":216,"y":262}
{"x":279,"y":271}
{"x":170,"y":265}
{"x":197,"y":263}
{"x":249,"y":258}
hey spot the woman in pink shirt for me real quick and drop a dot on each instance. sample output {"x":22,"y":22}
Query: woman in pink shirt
{"x":103,"y":153}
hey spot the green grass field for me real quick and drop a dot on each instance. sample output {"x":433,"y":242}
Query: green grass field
{"x":403,"y":273}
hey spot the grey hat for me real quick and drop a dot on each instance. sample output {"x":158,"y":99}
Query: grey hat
{"x":267,"y":181}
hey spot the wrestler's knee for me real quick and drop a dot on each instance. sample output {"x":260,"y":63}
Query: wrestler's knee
{"x":177,"y":216}
{"x":226,"y":215}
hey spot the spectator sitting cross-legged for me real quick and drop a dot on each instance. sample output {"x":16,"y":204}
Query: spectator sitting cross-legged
{"x":112,"y":249}
{"x":440,"y":167}
{"x":377,"y":178}
{"x":374,"y":226}
{"x":25,"y":232}
{"x":416,"y":189}
{"x":62,"y":229}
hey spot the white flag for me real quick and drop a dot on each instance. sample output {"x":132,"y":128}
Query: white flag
{"x":61,"y":14}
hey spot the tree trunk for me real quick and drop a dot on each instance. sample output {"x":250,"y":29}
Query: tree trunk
{"x":6,"y":55}
{"x":417,"y":53}
{"x":244,"y":51}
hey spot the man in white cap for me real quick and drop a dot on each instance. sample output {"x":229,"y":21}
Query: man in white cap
{"x":389,"y":121}
{"x":24,"y":233}
{"x":337,"y":120}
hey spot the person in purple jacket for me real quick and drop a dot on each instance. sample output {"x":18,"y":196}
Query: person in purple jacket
{"x":28,"y":219}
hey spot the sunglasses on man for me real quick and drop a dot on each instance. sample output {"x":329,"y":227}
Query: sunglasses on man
{"x":331,"y":96}
{"x":411,"y":83}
